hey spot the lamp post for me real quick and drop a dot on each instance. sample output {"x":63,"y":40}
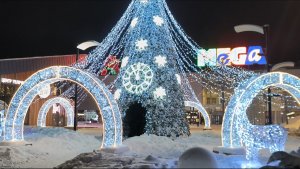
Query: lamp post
{"x":265,"y":30}
{"x":82,"y":46}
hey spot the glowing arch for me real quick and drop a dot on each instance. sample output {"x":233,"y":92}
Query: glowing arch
{"x":64,"y":102}
{"x":3,"y":109}
{"x":111,"y":117}
{"x":201,"y":109}
{"x":236,"y":128}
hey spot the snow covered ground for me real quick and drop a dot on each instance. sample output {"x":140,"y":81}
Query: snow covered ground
{"x":50,"y":147}
{"x":53,"y":146}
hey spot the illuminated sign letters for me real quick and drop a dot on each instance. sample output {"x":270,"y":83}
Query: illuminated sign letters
{"x":232,"y":57}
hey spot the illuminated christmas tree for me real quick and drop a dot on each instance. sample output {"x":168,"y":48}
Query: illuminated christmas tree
{"x":157,"y":58}
{"x":148,"y":75}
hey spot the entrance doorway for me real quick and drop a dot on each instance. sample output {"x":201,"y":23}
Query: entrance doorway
{"x":135,"y":120}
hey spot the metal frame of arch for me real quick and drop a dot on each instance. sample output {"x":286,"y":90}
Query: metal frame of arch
{"x":111,"y":117}
{"x":235,"y":121}
{"x":203,"y":112}
{"x":64,"y":102}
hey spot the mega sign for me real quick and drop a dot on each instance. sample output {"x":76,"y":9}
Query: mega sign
{"x":226,"y":56}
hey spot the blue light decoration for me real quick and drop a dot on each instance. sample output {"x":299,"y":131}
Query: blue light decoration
{"x":67,"y":104}
{"x":200,"y":108}
{"x":111,"y":117}
{"x":3,"y":109}
{"x":237,"y":130}
{"x":148,"y":34}
{"x":238,"y":56}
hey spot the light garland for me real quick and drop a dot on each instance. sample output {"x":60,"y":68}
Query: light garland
{"x":111,"y":117}
{"x":202,"y":111}
{"x":3,"y":109}
{"x":64,"y":102}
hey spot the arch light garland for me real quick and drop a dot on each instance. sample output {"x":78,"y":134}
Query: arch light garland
{"x":111,"y":117}
{"x":202,"y":110}
{"x":64,"y":102}
{"x":238,"y":131}
{"x":3,"y":108}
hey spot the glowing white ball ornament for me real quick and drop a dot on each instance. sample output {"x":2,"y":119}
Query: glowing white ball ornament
{"x":117,"y":94}
{"x":45,"y":92}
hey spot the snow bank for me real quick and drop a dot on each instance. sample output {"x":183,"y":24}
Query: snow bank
{"x":197,"y":158}
{"x":53,"y":146}
{"x":46,"y":148}
{"x":165,"y":147}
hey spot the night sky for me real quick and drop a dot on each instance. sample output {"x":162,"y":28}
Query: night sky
{"x":45,"y":27}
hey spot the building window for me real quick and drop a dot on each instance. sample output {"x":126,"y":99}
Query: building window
{"x":211,"y":101}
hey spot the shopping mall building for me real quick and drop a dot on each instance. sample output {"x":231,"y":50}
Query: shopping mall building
{"x":14,"y":71}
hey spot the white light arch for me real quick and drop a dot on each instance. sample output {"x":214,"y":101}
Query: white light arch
{"x":64,"y":102}
{"x":3,"y":109}
{"x":238,"y":131}
{"x":111,"y":117}
{"x":203,"y":112}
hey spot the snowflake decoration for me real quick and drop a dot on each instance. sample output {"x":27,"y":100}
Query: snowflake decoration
{"x":160,"y":60}
{"x":159,"y":93}
{"x":158,"y":20}
{"x":124,"y":61}
{"x":144,"y":1}
{"x":134,"y":22}
{"x":141,"y":44}
{"x":178,"y":78}
{"x":117,"y":94}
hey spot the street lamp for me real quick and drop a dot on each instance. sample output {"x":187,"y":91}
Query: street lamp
{"x":83,"y":46}
{"x":265,"y":30}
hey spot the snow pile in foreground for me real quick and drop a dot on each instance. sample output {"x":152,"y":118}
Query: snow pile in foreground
{"x":53,"y":146}
{"x":167,"y":148}
{"x":170,"y":150}
{"x":46,"y":148}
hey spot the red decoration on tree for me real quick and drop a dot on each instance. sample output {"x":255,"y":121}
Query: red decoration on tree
{"x":111,"y":66}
